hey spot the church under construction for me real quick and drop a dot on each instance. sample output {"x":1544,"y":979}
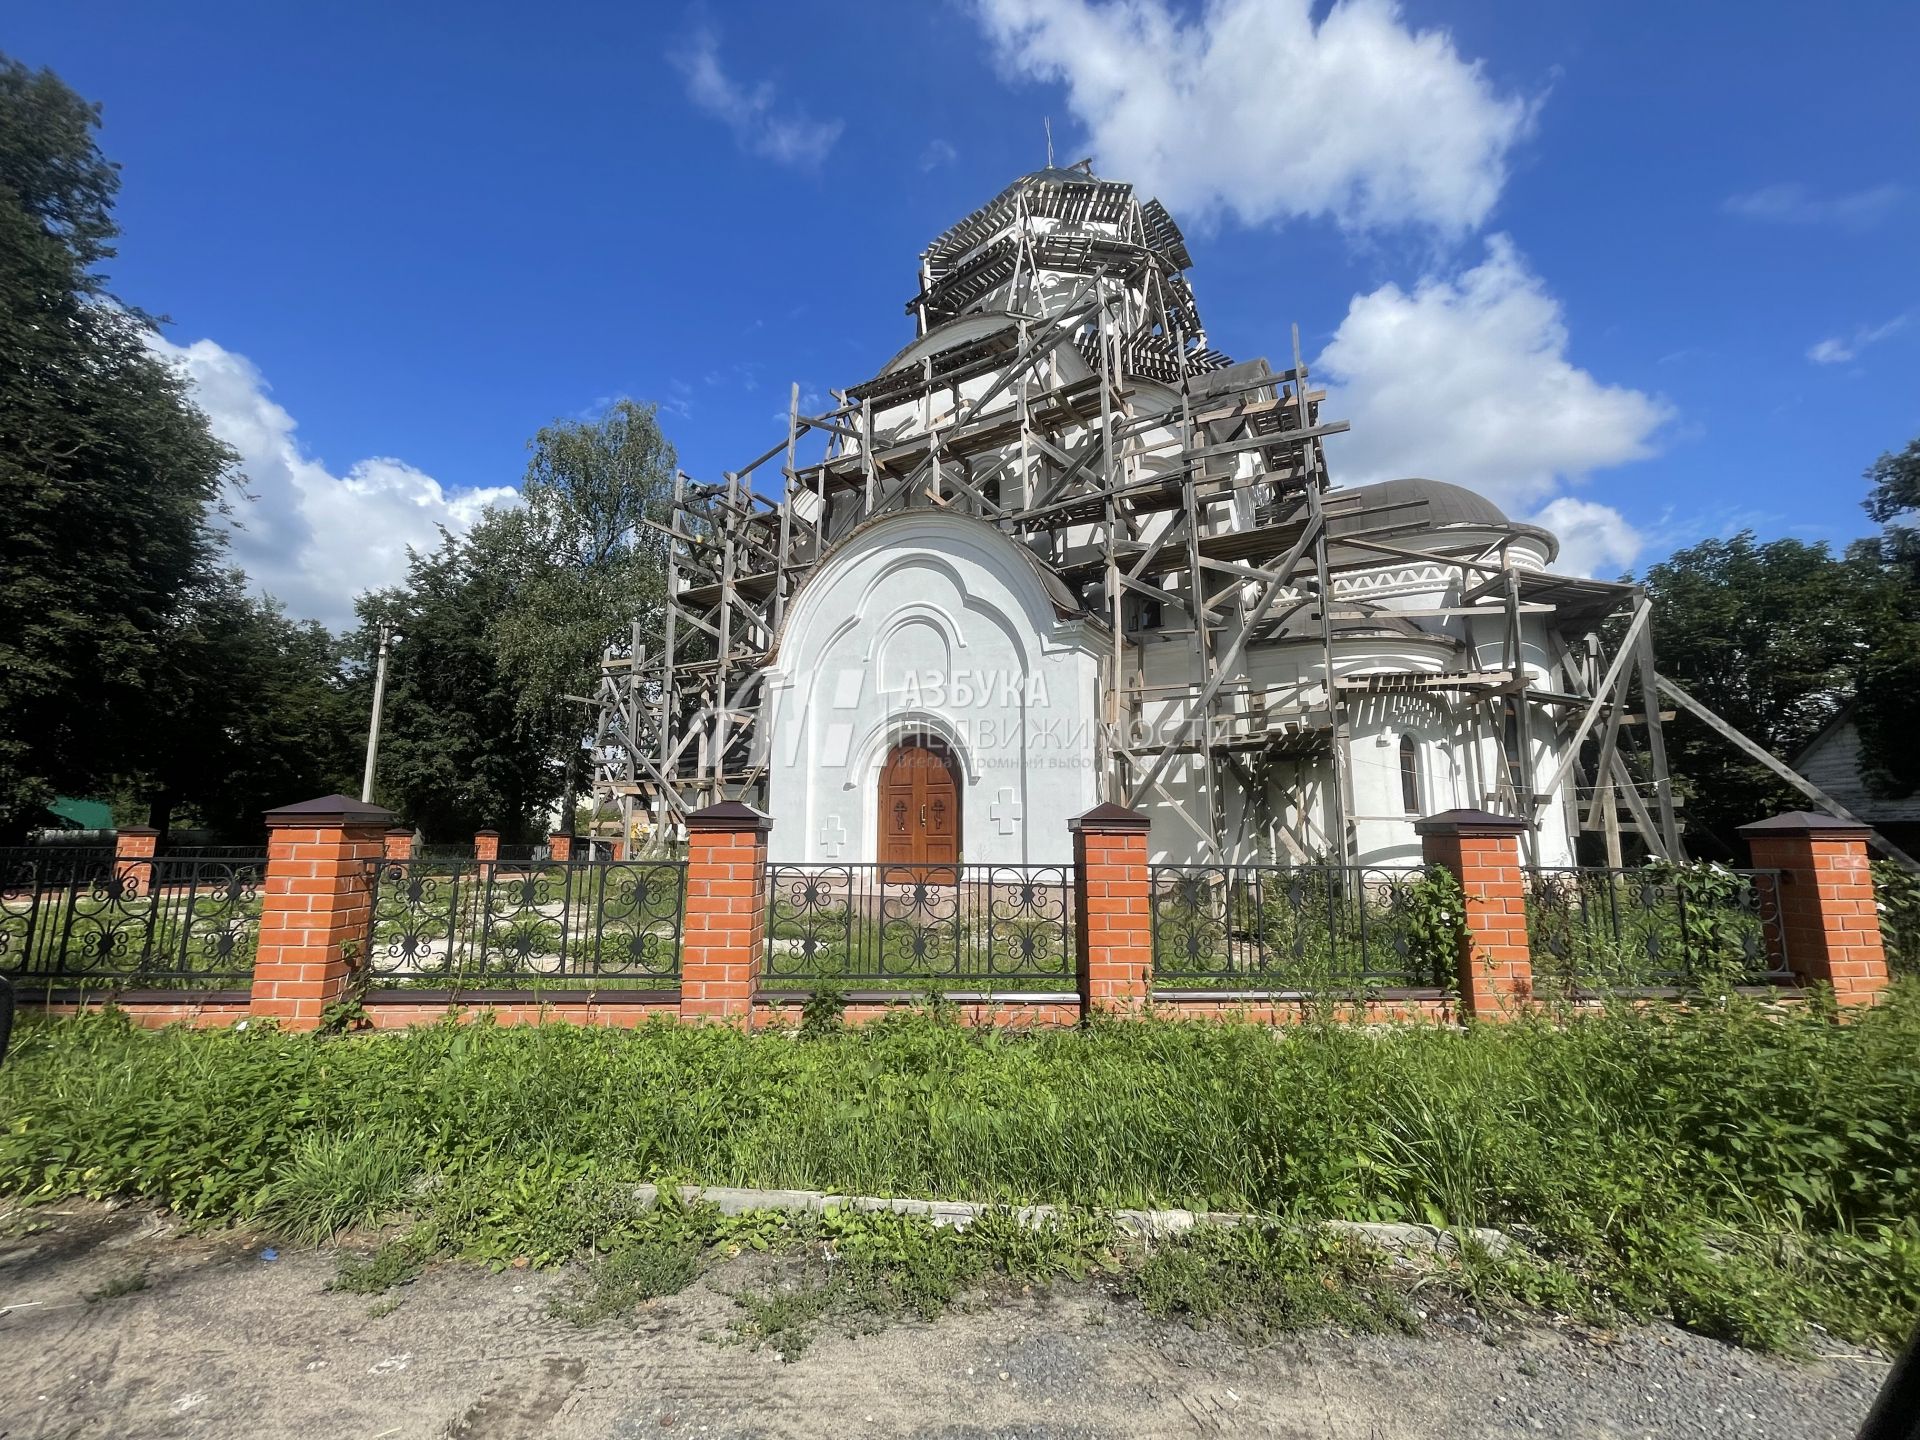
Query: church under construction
{"x":1060,"y":551}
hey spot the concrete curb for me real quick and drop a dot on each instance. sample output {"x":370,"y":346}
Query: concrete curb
{"x":1394,"y":1237}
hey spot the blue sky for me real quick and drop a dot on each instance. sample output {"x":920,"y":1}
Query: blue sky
{"x":1647,"y":271}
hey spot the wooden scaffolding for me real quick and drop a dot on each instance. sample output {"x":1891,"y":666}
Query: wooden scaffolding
{"x":1183,"y":498}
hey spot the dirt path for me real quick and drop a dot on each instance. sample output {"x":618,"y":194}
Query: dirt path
{"x":222,"y":1343}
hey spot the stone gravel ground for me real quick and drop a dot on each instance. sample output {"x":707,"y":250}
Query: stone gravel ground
{"x":221,"y":1343}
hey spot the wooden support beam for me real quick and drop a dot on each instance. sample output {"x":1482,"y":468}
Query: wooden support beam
{"x":1780,"y":767}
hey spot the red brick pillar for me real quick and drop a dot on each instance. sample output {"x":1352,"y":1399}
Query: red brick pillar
{"x":617,"y":850}
{"x":1113,"y":910}
{"x":1483,"y":852}
{"x":314,"y":915}
{"x":133,"y":851}
{"x":560,"y":847}
{"x":724,"y":929}
{"x":486,"y":846}
{"x":397,"y":843}
{"x":1829,"y":925}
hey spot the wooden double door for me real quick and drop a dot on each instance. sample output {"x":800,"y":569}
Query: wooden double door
{"x":920,"y":811}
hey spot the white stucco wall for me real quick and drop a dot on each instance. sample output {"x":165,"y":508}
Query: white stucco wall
{"x":929,"y":623}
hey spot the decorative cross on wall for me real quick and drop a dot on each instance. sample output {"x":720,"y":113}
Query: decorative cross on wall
{"x":1005,"y":811}
{"x":833,"y":837}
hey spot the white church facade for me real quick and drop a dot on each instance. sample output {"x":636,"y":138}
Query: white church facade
{"x":931,"y":631}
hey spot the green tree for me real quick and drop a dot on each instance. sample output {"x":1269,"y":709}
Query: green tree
{"x":458,"y":752}
{"x":1771,"y":637}
{"x":107,"y":471}
{"x":579,"y":563}
{"x":1890,"y":671}
{"x":248,"y":712}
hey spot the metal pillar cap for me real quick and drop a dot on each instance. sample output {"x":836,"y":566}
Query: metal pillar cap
{"x":1469,"y":822}
{"x":331,"y":810}
{"x":729,"y":815}
{"x":1807,"y":822}
{"x":1111,"y":819}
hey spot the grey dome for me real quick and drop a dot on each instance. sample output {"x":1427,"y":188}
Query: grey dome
{"x":1446,"y":504}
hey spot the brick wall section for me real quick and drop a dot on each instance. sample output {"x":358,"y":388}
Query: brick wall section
{"x":397,"y":843}
{"x":560,"y":847}
{"x":152,"y":1012}
{"x":486,"y":846}
{"x":1113,"y":914}
{"x":316,"y":907}
{"x":133,"y":852}
{"x":724,"y":929}
{"x":1829,"y":921}
{"x":622,"y":1014}
{"x":783,"y":1011}
{"x":1483,"y":852}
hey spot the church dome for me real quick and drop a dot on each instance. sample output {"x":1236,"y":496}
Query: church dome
{"x":1446,"y":504}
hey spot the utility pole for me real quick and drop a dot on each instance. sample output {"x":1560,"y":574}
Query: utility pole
{"x":379,"y":696}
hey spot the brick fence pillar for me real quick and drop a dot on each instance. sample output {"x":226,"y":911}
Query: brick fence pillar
{"x":314,"y":915}
{"x":560,"y":847}
{"x":486,"y":846}
{"x":1483,"y":852}
{"x":1113,"y":909}
{"x":617,"y":850}
{"x":724,"y":929}
{"x":133,"y":851}
{"x":1829,"y":925}
{"x":397,"y":843}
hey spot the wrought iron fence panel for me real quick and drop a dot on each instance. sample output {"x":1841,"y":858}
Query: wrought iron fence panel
{"x":893,"y":926}
{"x":1598,"y":928}
{"x":1306,"y":928}
{"x":36,"y":885}
{"x":164,"y":923}
{"x":477,"y":924}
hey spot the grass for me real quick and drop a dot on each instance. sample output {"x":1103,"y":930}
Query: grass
{"x":130,"y":1282}
{"x":1259,"y":1281}
{"x":395,"y":1263}
{"x":1742,"y":1169}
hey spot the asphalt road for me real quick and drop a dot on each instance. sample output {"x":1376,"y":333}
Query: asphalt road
{"x":220,"y":1342}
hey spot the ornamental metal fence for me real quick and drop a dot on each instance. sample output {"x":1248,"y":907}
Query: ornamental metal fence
{"x":1305,"y":929}
{"x":525,"y":924}
{"x":1595,"y":928}
{"x":893,"y":927}
{"x":84,"y":919}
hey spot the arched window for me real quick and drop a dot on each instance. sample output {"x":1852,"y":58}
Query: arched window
{"x":1510,"y":742}
{"x":1409,"y":775}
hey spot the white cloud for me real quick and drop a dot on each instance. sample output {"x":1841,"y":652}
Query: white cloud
{"x":311,"y":538}
{"x":1466,"y":379}
{"x":1795,"y":204}
{"x":1839,"y":349}
{"x":785,"y":136}
{"x":1252,"y":109}
{"x":938,"y":152}
{"x":1595,"y":539}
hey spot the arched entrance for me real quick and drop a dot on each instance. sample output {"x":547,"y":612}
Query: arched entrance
{"x":919,"y":821}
